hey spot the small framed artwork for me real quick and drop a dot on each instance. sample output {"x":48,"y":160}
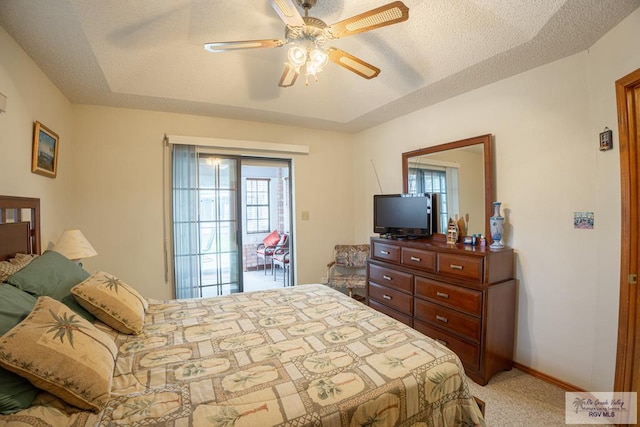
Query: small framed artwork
{"x":583,"y":220}
{"x":606,"y":140}
{"x":44,"y":160}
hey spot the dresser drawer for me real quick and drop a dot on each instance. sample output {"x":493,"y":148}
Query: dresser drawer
{"x":468,"y":353}
{"x":386,"y":252}
{"x":407,"y":320}
{"x":392,"y":278}
{"x":391,"y":298}
{"x":418,"y":258}
{"x":464,"y":267}
{"x":456,"y":297}
{"x":461,"y":324}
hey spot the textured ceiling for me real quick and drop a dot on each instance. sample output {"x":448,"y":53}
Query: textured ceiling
{"x":149,"y":54}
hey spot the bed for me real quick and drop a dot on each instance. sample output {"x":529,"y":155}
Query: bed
{"x":306,"y":355}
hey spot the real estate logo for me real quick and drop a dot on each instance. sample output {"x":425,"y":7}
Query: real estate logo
{"x":601,"y":407}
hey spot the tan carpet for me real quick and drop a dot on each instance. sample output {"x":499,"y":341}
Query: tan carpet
{"x":514,"y":399}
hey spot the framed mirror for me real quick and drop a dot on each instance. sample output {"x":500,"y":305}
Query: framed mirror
{"x":460,"y":174}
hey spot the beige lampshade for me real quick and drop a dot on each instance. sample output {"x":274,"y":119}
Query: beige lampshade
{"x":74,"y":245}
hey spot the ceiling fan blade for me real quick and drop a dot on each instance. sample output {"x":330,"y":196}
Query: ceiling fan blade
{"x":289,"y":76}
{"x":245,"y":44}
{"x":352,"y":63}
{"x":389,"y":14}
{"x":288,"y":12}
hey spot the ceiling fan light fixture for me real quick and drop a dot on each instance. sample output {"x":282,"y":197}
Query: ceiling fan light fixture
{"x":297,"y":56}
{"x":318,"y":58}
{"x":312,"y":58}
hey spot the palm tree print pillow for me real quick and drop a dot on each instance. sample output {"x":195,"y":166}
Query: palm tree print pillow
{"x":112,"y":301}
{"x":60,"y":352}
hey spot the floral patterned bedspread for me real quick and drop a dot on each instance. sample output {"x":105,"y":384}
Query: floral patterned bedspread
{"x":300,"y":356}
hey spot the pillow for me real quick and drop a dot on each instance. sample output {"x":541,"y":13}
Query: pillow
{"x":16,"y":393}
{"x":52,"y":275}
{"x":62,"y":353}
{"x":272,"y":239}
{"x":112,"y":301}
{"x":15,"y":305}
{"x":7,"y":268}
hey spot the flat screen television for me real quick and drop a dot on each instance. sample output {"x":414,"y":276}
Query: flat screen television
{"x":402,"y":215}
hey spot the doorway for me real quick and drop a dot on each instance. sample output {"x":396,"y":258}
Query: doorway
{"x":627,"y":377}
{"x":266,"y":208}
{"x":223,"y":208}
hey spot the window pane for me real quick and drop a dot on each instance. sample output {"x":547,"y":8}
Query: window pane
{"x":257,"y":206}
{"x":252,"y":213}
{"x":208,"y":269}
{"x":262,"y":198}
{"x":227,"y":173}
{"x":263,"y":225}
{"x":207,"y":237}
{"x":207,"y":172}
{"x":227,"y":209}
{"x":207,"y":205}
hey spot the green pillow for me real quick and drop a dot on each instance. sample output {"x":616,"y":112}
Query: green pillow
{"x":16,"y":393}
{"x":15,"y":305}
{"x":52,"y":275}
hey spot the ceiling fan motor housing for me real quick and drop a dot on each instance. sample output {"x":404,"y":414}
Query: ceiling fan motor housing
{"x":313,"y":31}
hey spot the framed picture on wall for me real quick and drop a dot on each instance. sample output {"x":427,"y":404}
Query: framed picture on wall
{"x":44,"y":160}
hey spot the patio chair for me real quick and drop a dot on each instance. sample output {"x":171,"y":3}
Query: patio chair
{"x":269,"y":244}
{"x":281,"y":259}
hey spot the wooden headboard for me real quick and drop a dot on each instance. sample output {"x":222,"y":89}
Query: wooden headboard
{"x":19,"y":226}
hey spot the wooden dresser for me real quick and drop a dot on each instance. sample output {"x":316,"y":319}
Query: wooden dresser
{"x":462,"y":296}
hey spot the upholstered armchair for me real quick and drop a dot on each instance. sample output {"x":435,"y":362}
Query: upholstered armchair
{"x":265,"y":250}
{"x":347,"y":272}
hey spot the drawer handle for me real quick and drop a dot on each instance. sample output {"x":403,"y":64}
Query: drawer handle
{"x":443,"y":342}
{"x":456,"y":267}
{"x":442,"y":319}
{"x":385,"y":252}
{"x":387,"y":297}
{"x":415,"y":258}
{"x":385,"y":277}
{"x":442,"y":295}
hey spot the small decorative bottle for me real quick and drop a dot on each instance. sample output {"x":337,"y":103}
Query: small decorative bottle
{"x":452,"y":232}
{"x":496,"y":223}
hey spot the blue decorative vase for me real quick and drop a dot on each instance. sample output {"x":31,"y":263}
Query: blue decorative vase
{"x":496,"y":223}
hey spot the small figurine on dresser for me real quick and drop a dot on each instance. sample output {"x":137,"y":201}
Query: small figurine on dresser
{"x":452,"y":232}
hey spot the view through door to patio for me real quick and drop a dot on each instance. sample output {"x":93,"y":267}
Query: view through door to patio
{"x":266,"y":236}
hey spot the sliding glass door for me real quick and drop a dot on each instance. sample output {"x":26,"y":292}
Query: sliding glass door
{"x":223,"y":208}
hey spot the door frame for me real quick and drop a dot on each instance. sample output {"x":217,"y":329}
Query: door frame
{"x":627,"y":359}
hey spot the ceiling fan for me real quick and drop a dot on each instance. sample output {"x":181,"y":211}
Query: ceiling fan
{"x":308,"y":35}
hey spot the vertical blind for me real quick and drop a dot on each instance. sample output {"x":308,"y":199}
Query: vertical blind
{"x":185,"y":220}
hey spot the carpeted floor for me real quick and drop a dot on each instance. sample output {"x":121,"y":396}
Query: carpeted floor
{"x":515,"y":399}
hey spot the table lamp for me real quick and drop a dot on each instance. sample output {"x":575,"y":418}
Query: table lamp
{"x":74,"y":246}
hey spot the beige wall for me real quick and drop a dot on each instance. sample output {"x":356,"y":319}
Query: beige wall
{"x":32,"y":97}
{"x":118,"y":182}
{"x":547,"y":164}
